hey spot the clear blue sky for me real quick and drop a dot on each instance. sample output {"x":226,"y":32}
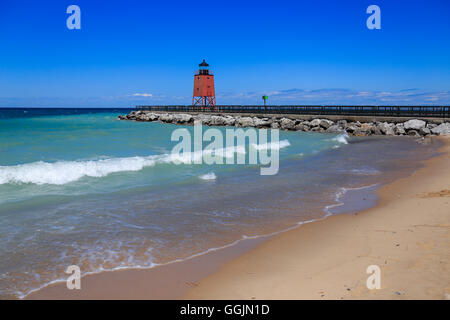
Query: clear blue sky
{"x":297,"y":52}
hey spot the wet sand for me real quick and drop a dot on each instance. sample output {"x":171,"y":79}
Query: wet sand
{"x":406,"y":235}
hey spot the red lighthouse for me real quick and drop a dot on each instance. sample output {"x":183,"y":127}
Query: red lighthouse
{"x":204,"y":93}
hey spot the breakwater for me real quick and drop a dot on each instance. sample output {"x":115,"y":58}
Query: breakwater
{"x":412,"y":127}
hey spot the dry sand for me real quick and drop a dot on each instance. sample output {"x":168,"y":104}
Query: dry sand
{"x":406,"y":235}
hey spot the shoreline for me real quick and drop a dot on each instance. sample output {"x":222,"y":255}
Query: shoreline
{"x":181,"y":279}
{"x":178,"y":279}
{"x":213,"y":258}
{"x":409,"y":244}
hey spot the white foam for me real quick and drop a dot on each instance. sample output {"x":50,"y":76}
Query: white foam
{"x":340,"y":193}
{"x":342,"y":138}
{"x":63,"y":172}
{"x":208,"y":176}
{"x":272,"y":145}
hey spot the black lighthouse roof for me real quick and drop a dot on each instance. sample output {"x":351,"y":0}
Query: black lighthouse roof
{"x":203,"y":64}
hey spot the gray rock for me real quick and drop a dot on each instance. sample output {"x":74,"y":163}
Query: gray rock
{"x":334,"y":129}
{"x":301,"y":127}
{"x":217,"y":121}
{"x":341,"y":123}
{"x":350,"y":128}
{"x":229,"y":121}
{"x":165,"y":117}
{"x":245,"y":122}
{"x":431,"y":125}
{"x":153,"y":116}
{"x":414,"y":124}
{"x":399,"y":129}
{"x":306,"y":123}
{"x":287,"y":124}
{"x":203,"y":118}
{"x":442,"y":129}
{"x":367,"y":128}
{"x":413,"y":133}
{"x":424,"y":131}
{"x":386,"y":128}
{"x":317,"y":129}
{"x":314,"y":123}
{"x":260,"y":123}
{"x":324,"y":123}
{"x":275,"y":125}
{"x":180,"y":118}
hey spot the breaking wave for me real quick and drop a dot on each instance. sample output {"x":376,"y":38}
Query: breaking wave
{"x":63,"y":172}
{"x":342,"y":138}
{"x":272,"y":145}
{"x":208,"y":176}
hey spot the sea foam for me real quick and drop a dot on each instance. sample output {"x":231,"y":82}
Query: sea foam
{"x":208,"y":176}
{"x":272,"y":145}
{"x":63,"y":172}
{"x":342,"y":138}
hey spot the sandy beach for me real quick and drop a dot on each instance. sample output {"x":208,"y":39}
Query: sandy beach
{"x":406,"y":234}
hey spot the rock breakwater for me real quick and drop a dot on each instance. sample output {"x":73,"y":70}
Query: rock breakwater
{"x":413,"y":127}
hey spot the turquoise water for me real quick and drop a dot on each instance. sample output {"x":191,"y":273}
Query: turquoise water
{"x":87,"y":189}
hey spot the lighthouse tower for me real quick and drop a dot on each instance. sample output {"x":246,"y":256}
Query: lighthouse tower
{"x":204,"y":93}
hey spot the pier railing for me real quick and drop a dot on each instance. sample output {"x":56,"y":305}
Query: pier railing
{"x":389,"y":111}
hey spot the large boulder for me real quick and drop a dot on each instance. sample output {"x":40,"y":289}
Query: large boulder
{"x":301,"y":127}
{"x":182,"y":118}
{"x":431,"y":125}
{"x":341,"y":123}
{"x":314,"y":123}
{"x":245,"y":122}
{"x":261,"y":122}
{"x":367,"y":128}
{"x":399,"y":129}
{"x":334,"y":129}
{"x":165,"y":117}
{"x":387,"y":128}
{"x":413,"y":133}
{"x":287,"y":124}
{"x":317,"y":129}
{"x":324,"y":123}
{"x":229,"y":121}
{"x":275,"y":125}
{"x":153,"y":116}
{"x":414,"y":124}
{"x":203,"y":118}
{"x":217,"y":121}
{"x":443,"y":128}
{"x":306,"y":123}
{"x":424,"y":131}
{"x":352,"y":127}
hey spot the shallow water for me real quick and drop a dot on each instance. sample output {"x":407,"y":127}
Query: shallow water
{"x":86,"y":189}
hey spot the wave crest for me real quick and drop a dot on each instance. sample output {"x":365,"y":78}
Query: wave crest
{"x":63,"y":172}
{"x":272,"y":145}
